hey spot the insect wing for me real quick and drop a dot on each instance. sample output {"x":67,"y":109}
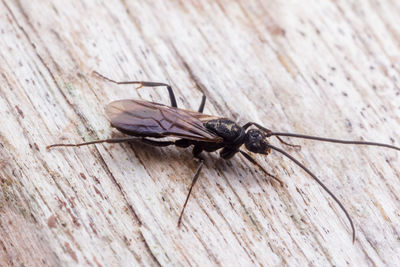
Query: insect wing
{"x":143,"y":118}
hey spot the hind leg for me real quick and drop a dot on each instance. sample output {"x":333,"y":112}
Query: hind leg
{"x":144,"y":84}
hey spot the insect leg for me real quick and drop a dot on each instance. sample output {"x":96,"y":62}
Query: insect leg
{"x":268,"y":131}
{"x":288,"y":144}
{"x":202,"y":104}
{"x":113,"y":140}
{"x":249,"y":158}
{"x":119,"y":140}
{"x":196,"y":152}
{"x":144,"y":84}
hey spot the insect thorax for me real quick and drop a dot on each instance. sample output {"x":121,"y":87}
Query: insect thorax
{"x":228,"y":130}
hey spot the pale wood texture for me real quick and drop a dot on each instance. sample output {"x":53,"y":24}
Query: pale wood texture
{"x":328,"y":68}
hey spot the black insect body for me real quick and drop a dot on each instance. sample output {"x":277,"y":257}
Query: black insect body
{"x":142,"y":119}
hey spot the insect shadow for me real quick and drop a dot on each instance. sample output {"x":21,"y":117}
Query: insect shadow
{"x":142,"y":120}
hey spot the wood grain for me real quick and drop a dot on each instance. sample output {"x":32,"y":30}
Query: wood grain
{"x":328,"y":68}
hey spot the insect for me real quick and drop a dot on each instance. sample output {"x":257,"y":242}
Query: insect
{"x":146,"y":121}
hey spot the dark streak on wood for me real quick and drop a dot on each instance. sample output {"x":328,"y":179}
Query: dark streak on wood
{"x":71,"y":252}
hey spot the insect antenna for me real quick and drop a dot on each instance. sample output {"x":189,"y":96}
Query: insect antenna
{"x":320,"y":183}
{"x":331,"y":140}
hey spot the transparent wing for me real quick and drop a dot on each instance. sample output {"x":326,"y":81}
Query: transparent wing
{"x":143,"y":118}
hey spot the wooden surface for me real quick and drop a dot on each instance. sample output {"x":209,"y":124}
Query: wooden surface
{"x":328,"y":68}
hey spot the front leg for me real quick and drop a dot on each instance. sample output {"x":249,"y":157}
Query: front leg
{"x":249,"y":158}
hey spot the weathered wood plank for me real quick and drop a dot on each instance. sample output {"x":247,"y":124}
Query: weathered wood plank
{"x":326,"y":68}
